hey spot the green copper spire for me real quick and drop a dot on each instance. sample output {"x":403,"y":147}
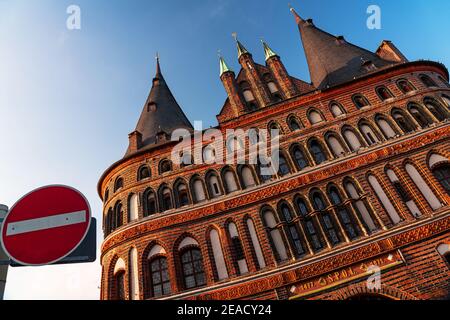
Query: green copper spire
{"x":268,"y":52}
{"x":223,"y":66}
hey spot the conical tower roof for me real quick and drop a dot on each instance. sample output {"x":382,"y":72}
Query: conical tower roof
{"x":161,"y":112}
{"x":332,"y":60}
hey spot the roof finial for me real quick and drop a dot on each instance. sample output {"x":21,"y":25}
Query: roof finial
{"x":298,"y":19}
{"x":268,"y":52}
{"x":241,"y":49}
{"x":158,"y":68}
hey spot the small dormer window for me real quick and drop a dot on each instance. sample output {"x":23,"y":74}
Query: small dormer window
{"x":151,"y":107}
{"x":368,"y":65}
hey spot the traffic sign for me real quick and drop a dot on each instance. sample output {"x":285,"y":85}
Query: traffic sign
{"x":46,"y":225}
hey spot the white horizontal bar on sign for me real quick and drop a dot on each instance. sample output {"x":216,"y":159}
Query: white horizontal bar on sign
{"x":45,"y":223}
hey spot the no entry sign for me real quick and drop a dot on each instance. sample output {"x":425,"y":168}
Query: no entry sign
{"x":46,"y":225}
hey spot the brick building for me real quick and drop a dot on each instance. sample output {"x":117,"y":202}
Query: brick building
{"x":363,"y":185}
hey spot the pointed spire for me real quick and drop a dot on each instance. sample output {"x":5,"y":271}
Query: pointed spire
{"x":223,"y":65}
{"x":240,"y":47}
{"x":298,"y":19}
{"x":161,"y":113}
{"x":268,"y":52}
{"x":332,"y":60}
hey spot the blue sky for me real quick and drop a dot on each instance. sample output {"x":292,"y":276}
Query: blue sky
{"x":68,"y":99}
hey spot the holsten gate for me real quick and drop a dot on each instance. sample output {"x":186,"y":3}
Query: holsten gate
{"x":363,"y":181}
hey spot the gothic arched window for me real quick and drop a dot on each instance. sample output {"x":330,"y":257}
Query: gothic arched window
{"x":118,"y":184}
{"x":309,"y":224}
{"x":403,"y":121}
{"x":360,"y":101}
{"x":165,"y":166}
{"x":165,"y":196}
{"x":435,"y":108}
{"x":317,"y":152}
{"x":384,"y":93}
{"x":427,"y":81}
{"x":292,"y":230}
{"x":283,"y":166}
{"x":405,"y":86}
{"x":336,"y":109}
{"x":344,"y":215}
{"x":159,"y":278}
{"x":143,"y":173}
{"x":421,"y":117}
{"x":442,"y":174}
{"x":192,"y":268}
{"x":299,"y":157}
{"x":315,"y":116}
{"x":294,"y":124}
{"x":327,"y":221}
{"x":149,"y":203}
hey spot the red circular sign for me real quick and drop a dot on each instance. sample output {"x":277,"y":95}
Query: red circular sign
{"x":46,"y":225}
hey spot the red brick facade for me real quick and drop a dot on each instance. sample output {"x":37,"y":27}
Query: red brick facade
{"x":336,"y":270}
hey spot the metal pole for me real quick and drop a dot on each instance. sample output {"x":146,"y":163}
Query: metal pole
{"x":3,"y":257}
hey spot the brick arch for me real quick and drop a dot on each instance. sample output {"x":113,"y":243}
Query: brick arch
{"x":361,"y":288}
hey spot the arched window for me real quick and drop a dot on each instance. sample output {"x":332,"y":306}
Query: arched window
{"x":186,"y":160}
{"x":403,"y":193}
{"x":427,"y":81}
{"x":109,"y":222}
{"x":360,"y":101}
{"x":405,"y":86}
{"x":352,"y":140}
{"x":384,"y":199}
{"x":229,"y":179}
{"x":133,"y":208}
{"x":421,"y":117}
{"x":368,"y":133}
{"x":106,"y":197}
{"x":149,"y":203}
{"x":118,"y":184}
{"x":253,"y":136}
{"x":165,"y":166}
{"x":118,"y":215}
{"x":165,"y":196}
{"x":442,"y":174}
{"x":384,"y":93}
{"x":237,"y":250}
{"x":118,"y":285}
{"x":444,"y":82}
{"x":294,"y":124}
{"x":317,"y":152}
{"x":255,"y":243}
{"x":143,"y":173}
{"x":234,"y":144}
{"x":344,"y":215}
{"x":336,"y":109}
{"x":213,"y":184}
{"x":264,"y":169}
{"x":182,"y":194}
{"x":385,"y":127}
{"x":192,"y":268}
{"x":314,"y":116}
{"x":327,"y":221}
{"x":272,"y":87}
{"x":335,"y":145}
{"x":283,"y":166}
{"x":403,"y":121}
{"x":299,"y":157}
{"x":209,"y":154}
{"x":435,"y":108}
{"x":275,"y":236}
{"x":219,"y":261}
{"x":309,"y":224}
{"x":159,"y":277}
{"x":423,"y":187}
{"x":274,"y":129}
{"x":360,"y":205}
{"x":198,"y":190}
{"x":292,"y":230}
{"x":247,"y":177}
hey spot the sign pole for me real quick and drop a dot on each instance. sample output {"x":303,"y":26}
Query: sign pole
{"x":3,"y":256}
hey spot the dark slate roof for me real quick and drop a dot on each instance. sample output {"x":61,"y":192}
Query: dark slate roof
{"x":161,"y":113}
{"x":332,"y":60}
